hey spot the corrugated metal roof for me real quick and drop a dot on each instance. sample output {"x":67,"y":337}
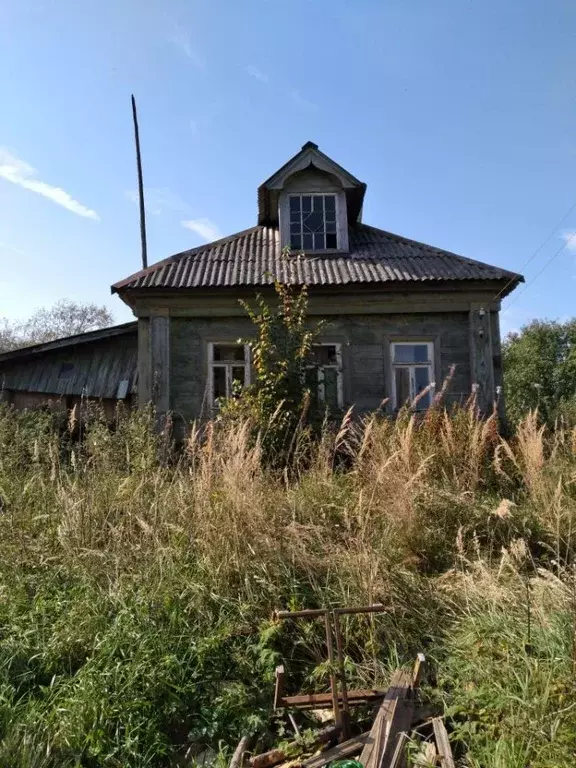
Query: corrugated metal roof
{"x":254,"y":258}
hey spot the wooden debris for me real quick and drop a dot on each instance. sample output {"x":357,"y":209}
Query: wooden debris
{"x":268,"y":759}
{"x":399,"y":725}
{"x":238,"y":756}
{"x":276,"y":756}
{"x":346,"y":749}
{"x":319,"y":700}
{"x":418,"y":670}
{"x":399,"y":757}
{"x":279,"y":689}
{"x":442,"y":743}
{"x":400,"y":689}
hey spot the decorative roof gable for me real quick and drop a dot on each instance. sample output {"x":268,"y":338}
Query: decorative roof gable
{"x":309,"y":156}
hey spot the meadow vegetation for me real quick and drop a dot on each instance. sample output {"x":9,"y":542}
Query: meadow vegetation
{"x":137,"y":583}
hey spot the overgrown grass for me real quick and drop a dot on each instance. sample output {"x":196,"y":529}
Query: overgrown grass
{"x":137,"y":584}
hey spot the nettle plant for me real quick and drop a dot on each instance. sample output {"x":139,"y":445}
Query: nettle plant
{"x":279,"y":398}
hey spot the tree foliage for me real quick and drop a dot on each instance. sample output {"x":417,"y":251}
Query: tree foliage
{"x":279,"y":397}
{"x":540,"y":370}
{"x":65,"y":318}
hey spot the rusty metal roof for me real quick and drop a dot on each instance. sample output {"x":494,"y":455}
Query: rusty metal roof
{"x":253,"y":258}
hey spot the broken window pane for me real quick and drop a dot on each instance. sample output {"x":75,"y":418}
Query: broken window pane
{"x":219,"y":382}
{"x":402,"y":384}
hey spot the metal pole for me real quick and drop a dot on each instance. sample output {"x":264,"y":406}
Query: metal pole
{"x":333,"y":680}
{"x":342,"y":668}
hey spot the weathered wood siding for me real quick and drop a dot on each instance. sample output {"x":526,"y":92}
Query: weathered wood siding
{"x":365,"y":341}
{"x":105,"y":369}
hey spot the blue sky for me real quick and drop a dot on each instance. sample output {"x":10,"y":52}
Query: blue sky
{"x":459,"y":114}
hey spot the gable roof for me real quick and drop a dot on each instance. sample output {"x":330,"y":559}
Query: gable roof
{"x":253,"y":258}
{"x":308,"y":156}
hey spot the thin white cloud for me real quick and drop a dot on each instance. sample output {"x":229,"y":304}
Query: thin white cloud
{"x":8,"y":247}
{"x":15,"y":170}
{"x":158,"y":200}
{"x":569,"y":241}
{"x":194,"y":128}
{"x":205,"y":228}
{"x":257,"y":73}
{"x":181,"y":39}
{"x":301,"y":102}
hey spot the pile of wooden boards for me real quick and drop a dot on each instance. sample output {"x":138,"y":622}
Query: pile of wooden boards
{"x":403,"y":733}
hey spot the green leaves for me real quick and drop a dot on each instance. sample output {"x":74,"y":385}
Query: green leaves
{"x":540,"y":370}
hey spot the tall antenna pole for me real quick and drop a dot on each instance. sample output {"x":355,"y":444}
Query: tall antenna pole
{"x":140,"y":187}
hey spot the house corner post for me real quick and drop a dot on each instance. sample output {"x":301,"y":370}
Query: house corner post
{"x":481,"y":358}
{"x":144,"y":372}
{"x":154,"y":364}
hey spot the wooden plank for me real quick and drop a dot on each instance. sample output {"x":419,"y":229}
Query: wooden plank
{"x":443,"y":743}
{"x":238,"y":756}
{"x":418,"y":670}
{"x":160,"y":359}
{"x":276,"y":756}
{"x":481,"y":362}
{"x":279,"y":688}
{"x":399,"y":757}
{"x":400,"y":724}
{"x":268,"y":759}
{"x":319,"y":700}
{"x":400,"y":688}
{"x":346,"y":749}
{"x":144,"y":363}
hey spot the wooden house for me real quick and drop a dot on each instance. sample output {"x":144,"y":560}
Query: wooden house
{"x":398,"y":314}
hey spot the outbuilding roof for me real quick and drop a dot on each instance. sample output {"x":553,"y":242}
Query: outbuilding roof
{"x":253,"y":257}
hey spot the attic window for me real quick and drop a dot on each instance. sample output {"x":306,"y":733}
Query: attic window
{"x":313,"y":222}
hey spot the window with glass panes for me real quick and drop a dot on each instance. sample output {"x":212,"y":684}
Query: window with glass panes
{"x":324,"y":374}
{"x":313,"y":222}
{"x":412,"y":372}
{"x":229,"y":369}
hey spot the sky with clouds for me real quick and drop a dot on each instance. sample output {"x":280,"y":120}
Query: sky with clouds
{"x":459,"y":114}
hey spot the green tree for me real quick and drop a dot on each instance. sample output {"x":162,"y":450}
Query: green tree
{"x":279,"y":399}
{"x":65,"y":318}
{"x":540,"y":369}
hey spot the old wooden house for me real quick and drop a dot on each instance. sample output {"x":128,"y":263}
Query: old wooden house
{"x":399,"y":314}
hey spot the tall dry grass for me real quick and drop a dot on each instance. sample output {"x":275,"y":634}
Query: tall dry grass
{"x":137,"y":581}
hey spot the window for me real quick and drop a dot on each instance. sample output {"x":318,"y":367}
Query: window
{"x":313,"y":222}
{"x":412,"y":372}
{"x":228,"y":369}
{"x":324,"y":374}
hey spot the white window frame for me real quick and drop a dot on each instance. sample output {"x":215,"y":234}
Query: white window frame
{"x":336,"y":232}
{"x":337,"y":366}
{"x":411,"y":366}
{"x":228,"y":365}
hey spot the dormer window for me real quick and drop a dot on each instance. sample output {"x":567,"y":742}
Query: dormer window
{"x":313,"y":222}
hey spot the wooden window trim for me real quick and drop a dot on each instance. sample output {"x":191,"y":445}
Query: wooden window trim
{"x":337,"y":367}
{"x":341,"y":221}
{"x":246,"y":364}
{"x":431,"y":365}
